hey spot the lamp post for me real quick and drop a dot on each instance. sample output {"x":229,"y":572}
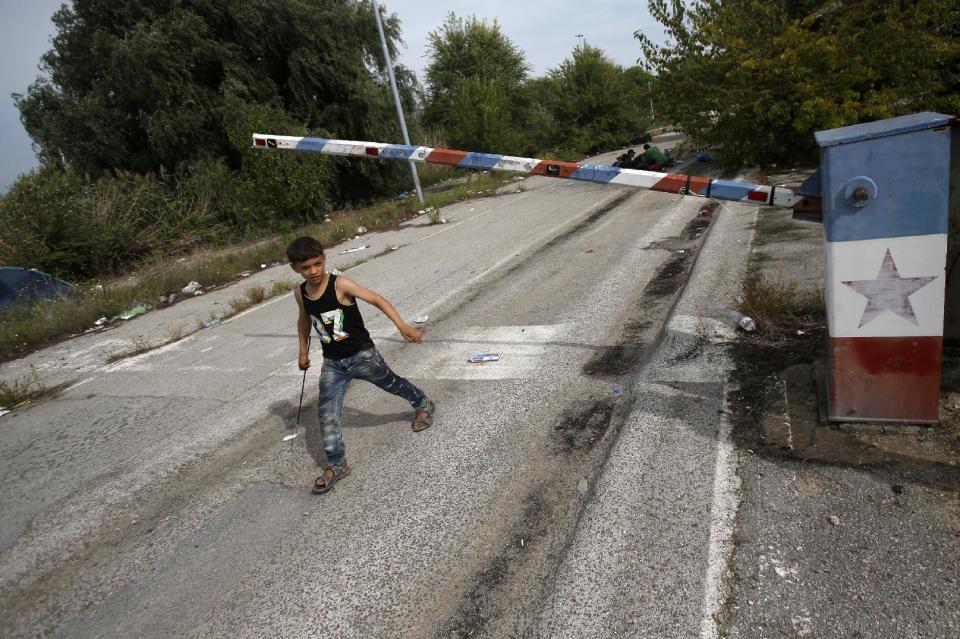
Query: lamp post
{"x":396,"y":98}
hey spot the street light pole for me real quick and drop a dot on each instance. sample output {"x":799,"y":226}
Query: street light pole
{"x":396,"y":98}
{"x":650,"y":93}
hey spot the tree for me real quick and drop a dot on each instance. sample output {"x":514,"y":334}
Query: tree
{"x":472,"y":58}
{"x":150,"y":85}
{"x":756,"y":78}
{"x":595,"y":104}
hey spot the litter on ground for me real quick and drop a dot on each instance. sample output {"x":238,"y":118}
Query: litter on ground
{"x":354,"y":250}
{"x":140,"y":309}
{"x":289,"y":437}
{"x":484,"y":357}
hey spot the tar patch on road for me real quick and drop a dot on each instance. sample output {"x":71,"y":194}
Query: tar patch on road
{"x":639,"y":335}
{"x":480,"y":605}
{"x":581,"y":427}
{"x":506,"y":593}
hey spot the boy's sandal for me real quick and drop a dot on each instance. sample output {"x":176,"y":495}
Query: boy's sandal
{"x":423,"y":419}
{"x":331,"y":475}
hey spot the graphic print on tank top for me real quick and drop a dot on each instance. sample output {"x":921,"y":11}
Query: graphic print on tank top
{"x":330,"y":326}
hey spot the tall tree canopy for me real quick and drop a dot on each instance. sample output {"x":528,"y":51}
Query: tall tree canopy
{"x":596,"y":104}
{"x":472,"y":61}
{"x":149,"y":84}
{"x":756,"y":78}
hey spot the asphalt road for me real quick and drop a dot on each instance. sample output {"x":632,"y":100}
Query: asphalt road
{"x":578,"y":487}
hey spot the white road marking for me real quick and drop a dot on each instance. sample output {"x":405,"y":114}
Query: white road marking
{"x":521,"y":348}
{"x":726,"y":488}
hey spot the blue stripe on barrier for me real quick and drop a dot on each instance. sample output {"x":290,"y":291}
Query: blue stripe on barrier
{"x":596,"y":173}
{"x":480,"y":160}
{"x":727,"y":190}
{"x":312,"y":144}
{"x":398,"y":151}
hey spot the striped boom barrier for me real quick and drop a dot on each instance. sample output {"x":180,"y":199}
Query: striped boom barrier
{"x":600,"y":173}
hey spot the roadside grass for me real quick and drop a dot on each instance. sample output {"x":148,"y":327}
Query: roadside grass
{"x":20,"y":391}
{"x":27,"y":329}
{"x":773,"y":302}
{"x":139,"y":345}
{"x":250,"y":297}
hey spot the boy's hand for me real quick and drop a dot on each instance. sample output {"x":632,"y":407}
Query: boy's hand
{"x":410,"y":333}
{"x":303,"y":362}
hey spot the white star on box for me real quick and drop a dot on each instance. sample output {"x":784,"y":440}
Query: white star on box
{"x":888,"y":292}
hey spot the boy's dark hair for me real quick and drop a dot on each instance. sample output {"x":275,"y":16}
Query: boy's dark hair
{"x":646,"y":146}
{"x":631,"y":152}
{"x":304,"y":248}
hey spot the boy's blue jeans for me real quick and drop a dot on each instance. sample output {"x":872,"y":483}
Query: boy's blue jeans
{"x":335,"y":377}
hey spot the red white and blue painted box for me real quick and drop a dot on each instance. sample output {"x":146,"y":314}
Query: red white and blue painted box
{"x":885,"y":197}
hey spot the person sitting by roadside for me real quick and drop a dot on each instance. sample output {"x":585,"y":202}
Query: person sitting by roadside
{"x":653,"y":158}
{"x":626,"y":159}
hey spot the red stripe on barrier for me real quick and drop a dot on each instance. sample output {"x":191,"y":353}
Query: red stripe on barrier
{"x":699,"y":184}
{"x":758,"y":196}
{"x":552,"y":168}
{"x":672,"y":183}
{"x":891,"y":378}
{"x":446,"y":156}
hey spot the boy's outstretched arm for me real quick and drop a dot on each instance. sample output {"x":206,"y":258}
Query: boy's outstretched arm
{"x":352,"y":289}
{"x":303,"y":331}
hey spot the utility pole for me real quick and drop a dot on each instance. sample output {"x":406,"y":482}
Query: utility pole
{"x":396,"y":98}
{"x":650,"y":93}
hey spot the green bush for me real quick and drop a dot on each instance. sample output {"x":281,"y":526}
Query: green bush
{"x":54,"y":221}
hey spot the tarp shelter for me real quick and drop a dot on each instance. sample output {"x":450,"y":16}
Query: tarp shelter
{"x":20,"y":286}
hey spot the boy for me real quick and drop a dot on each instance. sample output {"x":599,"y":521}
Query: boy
{"x":329,"y":303}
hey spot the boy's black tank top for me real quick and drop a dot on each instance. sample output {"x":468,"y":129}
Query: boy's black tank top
{"x":339,"y":327}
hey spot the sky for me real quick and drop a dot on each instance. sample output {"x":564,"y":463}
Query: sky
{"x":545,"y":32}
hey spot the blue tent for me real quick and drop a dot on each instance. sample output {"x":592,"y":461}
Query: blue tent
{"x":19,"y":286}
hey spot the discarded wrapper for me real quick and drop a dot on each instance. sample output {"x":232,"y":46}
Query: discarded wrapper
{"x":139,"y":309}
{"x":289,"y":437}
{"x":421,"y":319}
{"x":484,"y":357}
{"x":354,"y":250}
